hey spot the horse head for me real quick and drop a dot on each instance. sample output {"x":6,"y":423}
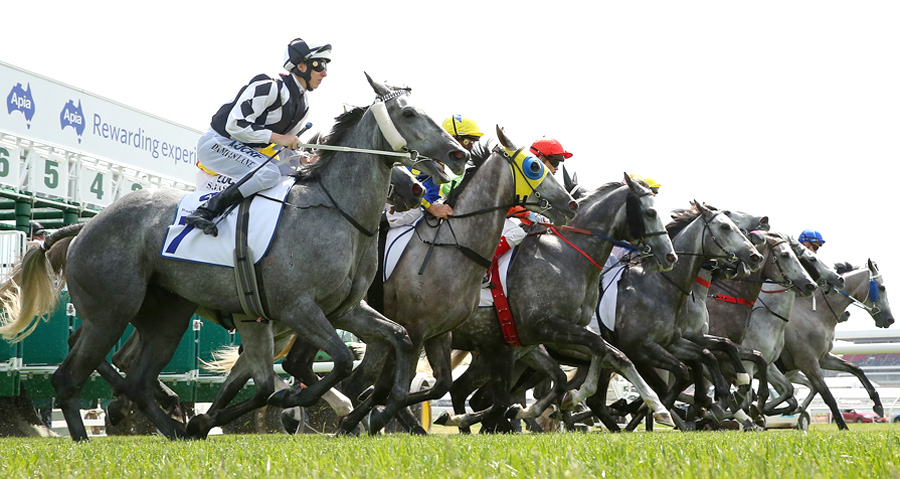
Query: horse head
{"x":539,"y":191}
{"x":784,"y":266}
{"x":645,"y":225}
{"x":723,"y":236}
{"x":408,"y":129}
{"x":405,"y":192}
{"x":877,"y":298}
{"x":823,"y":274}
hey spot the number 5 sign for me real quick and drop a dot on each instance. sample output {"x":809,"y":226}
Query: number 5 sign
{"x":50,"y":175}
{"x":95,"y":187}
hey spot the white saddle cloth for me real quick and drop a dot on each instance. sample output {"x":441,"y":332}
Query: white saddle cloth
{"x":606,"y":307}
{"x":395,"y":244}
{"x":487,"y":300}
{"x":187,"y":243}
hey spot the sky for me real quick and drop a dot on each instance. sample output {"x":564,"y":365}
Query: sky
{"x":789,"y":109}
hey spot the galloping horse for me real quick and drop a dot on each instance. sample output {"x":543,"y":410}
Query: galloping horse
{"x":648,"y":304}
{"x":553,"y":284}
{"x":809,"y":335}
{"x":434,"y":286}
{"x":318,"y":267}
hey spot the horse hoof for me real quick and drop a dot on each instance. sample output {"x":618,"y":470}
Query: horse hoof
{"x":569,"y":401}
{"x":347,"y":428}
{"x":879,"y":409}
{"x":418,"y":431}
{"x":513,"y":411}
{"x":117,"y":411}
{"x":664,"y":418}
{"x":198,"y":427}
{"x":290,"y":421}
{"x":442,"y":419}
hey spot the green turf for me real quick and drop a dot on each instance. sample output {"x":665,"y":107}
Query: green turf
{"x":867,"y":451}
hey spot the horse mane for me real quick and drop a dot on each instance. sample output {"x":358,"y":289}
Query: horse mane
{"x":599,"y":192}
{"x":479,"y":154}
{"x":844,"y":267}
{"x":343,"y":124}
{"x":680,"y":219}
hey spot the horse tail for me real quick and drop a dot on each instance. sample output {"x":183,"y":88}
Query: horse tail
{"x":223,"y":359}
{"x":32,"y":289}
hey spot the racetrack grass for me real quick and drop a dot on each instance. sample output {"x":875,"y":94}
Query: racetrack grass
{"x":865,"y":452}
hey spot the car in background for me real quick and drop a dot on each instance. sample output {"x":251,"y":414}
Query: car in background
{"x":852,"y":415}
{"x":798,"y":421}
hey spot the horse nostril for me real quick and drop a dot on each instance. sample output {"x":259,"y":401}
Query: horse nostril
{"x":841,"y":281}
{"x":573,"y":206}
{"x":755,"y":258}
{"x":671,"y":257}
{"x":457,"y":154}
{"x":810,"y":287}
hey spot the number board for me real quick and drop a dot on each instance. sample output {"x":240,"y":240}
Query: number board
{"x":10,"y":166}
{"x":95,"y":187}
{"x":49,"y":175}
{"x":131,"y":184}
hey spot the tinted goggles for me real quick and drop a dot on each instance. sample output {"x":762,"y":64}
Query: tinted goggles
{"x":318,"y":64}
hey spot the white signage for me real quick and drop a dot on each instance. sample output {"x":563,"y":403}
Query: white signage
{"x":55,"y":114}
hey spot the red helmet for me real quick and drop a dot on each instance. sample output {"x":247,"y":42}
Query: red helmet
{"x":549,"y":146}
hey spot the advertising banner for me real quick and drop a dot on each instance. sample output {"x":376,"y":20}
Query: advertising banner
{"x":52,"y":113}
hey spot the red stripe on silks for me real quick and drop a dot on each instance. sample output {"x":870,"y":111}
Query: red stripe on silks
{"x":732,"y":299}
{"x":504,"y":315}
{"x":703,"y":282}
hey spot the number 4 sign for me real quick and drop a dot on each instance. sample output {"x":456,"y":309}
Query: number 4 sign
{"x":95,"y":187}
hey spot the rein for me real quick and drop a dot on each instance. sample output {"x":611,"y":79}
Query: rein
{"x":543,"y":205}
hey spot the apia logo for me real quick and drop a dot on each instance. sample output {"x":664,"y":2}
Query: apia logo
{"x":73,"y":116}
{"x":20,"y":99}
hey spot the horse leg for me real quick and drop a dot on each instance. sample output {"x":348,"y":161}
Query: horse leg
{"x":539,"y":360}
{"x":372,"y":327}
{"x":597,"y":402}
{"x":308,"y":320}
{"x":686,"y":350}
{"x":161,"y":321}
{"x":814,"y":375}
{"x":254,"y":362}
{"x":834,"y":363}
{"x":94,"y":342}
{"x":785,"y":392}
{"x":475,"y":376}
{"x":730,"y":350}
{"x":762,"y":373}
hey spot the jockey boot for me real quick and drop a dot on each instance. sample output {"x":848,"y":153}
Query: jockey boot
{"x":202,"y":218}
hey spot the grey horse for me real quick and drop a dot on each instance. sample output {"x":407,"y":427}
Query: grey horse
{"x":315,"y":274}
{"x":404,"y":193}
{"x":781,"y":271}
{"x":434,"y":286}
{"x":553,"y":283}
{"x":648,"y":303}
{"x":809,"y":335}
{"x":733,"y":306}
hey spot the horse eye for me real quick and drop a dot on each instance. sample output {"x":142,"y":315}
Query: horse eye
{"x":881,"y":288}
{"x":785,"y":255}
{"x":408,"y":113}
{"x":651,"y":213}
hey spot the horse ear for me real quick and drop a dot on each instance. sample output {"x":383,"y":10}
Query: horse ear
{"x":628,"y":180}
{"x":380,"y":89}
{"x":504,"y":140}
{"x":701,"y":208}
{"x":872,"y":266}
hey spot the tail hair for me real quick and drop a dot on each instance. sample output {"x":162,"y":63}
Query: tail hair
{"x":31,"y":290}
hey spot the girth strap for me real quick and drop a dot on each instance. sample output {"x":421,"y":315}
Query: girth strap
{"x":731,"y":299}
{"x":244,"y":270}
{"x":501,"y":304}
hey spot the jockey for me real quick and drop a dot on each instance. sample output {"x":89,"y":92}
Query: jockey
{"x":266,"y":111}
{"x":551,"y":153}
{"x":464,"y":131}
{"x":812,"y":239}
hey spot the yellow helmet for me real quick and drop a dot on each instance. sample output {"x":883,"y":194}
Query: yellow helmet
{"x":456,"y":125}
{"x":650,"y":181}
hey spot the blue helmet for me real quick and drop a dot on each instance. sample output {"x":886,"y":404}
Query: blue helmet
{"x":811,"y":236}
